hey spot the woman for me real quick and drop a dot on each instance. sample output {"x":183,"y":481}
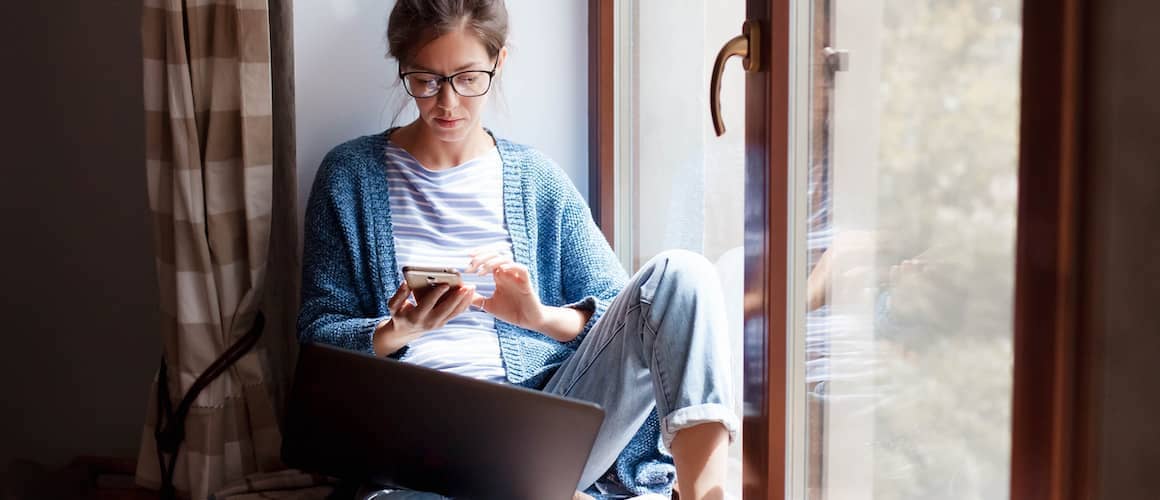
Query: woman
{"x":545,"y":303}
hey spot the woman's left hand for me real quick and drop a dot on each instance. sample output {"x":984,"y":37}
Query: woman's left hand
{"x":515,"y":299}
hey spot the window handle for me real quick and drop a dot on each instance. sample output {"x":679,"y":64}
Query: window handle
{"x":747,"y":45}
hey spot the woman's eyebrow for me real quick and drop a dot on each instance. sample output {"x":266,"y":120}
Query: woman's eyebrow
{"x":465,"y":67}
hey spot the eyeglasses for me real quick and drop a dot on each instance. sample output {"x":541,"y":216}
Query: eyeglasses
{"x":472,"y":83}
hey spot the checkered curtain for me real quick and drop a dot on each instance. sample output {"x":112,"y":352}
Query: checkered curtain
{"x":209,"y":157}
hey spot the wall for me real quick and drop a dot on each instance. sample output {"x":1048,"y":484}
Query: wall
{"x":1123,"y":164}
{"x":79,"y":290}
{"x":346,"y":87}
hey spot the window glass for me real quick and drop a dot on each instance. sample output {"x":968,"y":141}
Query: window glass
{"x":905,"y":215}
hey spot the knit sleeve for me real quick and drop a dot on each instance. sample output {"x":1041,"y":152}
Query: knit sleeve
{"x":333,"y":309}
{"x":591,"y":274}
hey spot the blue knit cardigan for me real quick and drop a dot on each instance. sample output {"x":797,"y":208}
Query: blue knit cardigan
{"x":349,"y":270}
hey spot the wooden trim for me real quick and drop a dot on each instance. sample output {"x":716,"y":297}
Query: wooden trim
{"x":767,"y":124}
{"x":601,"y":118}
{"x":821,"y":146}
{"x":1052,"y":452}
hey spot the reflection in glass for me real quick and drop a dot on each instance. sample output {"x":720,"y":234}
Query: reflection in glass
{"x":910,"y":219}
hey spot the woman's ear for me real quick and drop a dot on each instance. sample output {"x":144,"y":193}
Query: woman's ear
{"x":501,"y":58}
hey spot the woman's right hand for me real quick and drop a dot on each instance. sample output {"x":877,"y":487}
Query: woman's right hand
{"x":432,"y":309}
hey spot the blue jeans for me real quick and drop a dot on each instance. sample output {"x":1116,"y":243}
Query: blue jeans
{"x":663,"y":341}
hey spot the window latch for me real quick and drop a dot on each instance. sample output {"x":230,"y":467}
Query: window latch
{"x":836,"y":59}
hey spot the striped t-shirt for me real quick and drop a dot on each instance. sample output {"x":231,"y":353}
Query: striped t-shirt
{"x":438,"y":218}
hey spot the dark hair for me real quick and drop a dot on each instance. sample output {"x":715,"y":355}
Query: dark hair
{"x":415,"y":23}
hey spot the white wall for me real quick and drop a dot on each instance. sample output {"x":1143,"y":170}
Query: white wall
{"x":346,"y":87}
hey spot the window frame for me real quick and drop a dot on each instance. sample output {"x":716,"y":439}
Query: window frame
{"x":601,"y":116}
{"x":1052,"y":447}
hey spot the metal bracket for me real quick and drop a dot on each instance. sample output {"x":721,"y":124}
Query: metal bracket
{"x":837,"y":59}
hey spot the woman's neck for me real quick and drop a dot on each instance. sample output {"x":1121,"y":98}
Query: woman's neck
{"x":435,"y":154}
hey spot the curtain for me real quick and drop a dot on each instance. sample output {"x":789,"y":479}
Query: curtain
{"x":212,"y":193}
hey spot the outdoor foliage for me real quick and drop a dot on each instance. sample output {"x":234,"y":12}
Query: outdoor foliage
{"x":946,"y":195}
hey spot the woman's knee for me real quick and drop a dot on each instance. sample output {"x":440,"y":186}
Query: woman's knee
{"x":687,"y":269}
{"x":682,"y":284}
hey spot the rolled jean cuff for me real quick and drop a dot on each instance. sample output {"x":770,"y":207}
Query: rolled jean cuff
{"x":696,"y":415}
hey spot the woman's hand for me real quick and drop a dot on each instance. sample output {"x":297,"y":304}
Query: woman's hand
{"x":432,"y":309}
{"x":850,"y":258}
{"x":514,"y":300}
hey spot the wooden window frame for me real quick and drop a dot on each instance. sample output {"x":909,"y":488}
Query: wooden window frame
{"x":1052,"y":448}
{"x":767,"y":229}
{"x":601,"y":117}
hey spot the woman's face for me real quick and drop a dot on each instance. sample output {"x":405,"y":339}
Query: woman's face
{"x":448,"y":116}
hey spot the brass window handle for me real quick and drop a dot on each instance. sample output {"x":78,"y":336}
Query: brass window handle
{"x":747,"y":45}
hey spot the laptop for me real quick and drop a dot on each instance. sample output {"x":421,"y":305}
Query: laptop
{"x":361,"y":418}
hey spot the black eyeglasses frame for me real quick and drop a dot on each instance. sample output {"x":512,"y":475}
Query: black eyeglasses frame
{"x":450,"y":79}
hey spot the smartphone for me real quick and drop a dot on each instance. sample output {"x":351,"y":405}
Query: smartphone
{"x":421,"y":277}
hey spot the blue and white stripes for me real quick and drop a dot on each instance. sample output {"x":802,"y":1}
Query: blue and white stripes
{"x":439,"y":217}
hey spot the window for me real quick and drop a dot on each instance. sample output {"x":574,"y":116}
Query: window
{"x":904,"y":215}
{"x":903,"y":158}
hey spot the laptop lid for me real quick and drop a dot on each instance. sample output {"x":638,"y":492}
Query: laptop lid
{"x":358,"y":417}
